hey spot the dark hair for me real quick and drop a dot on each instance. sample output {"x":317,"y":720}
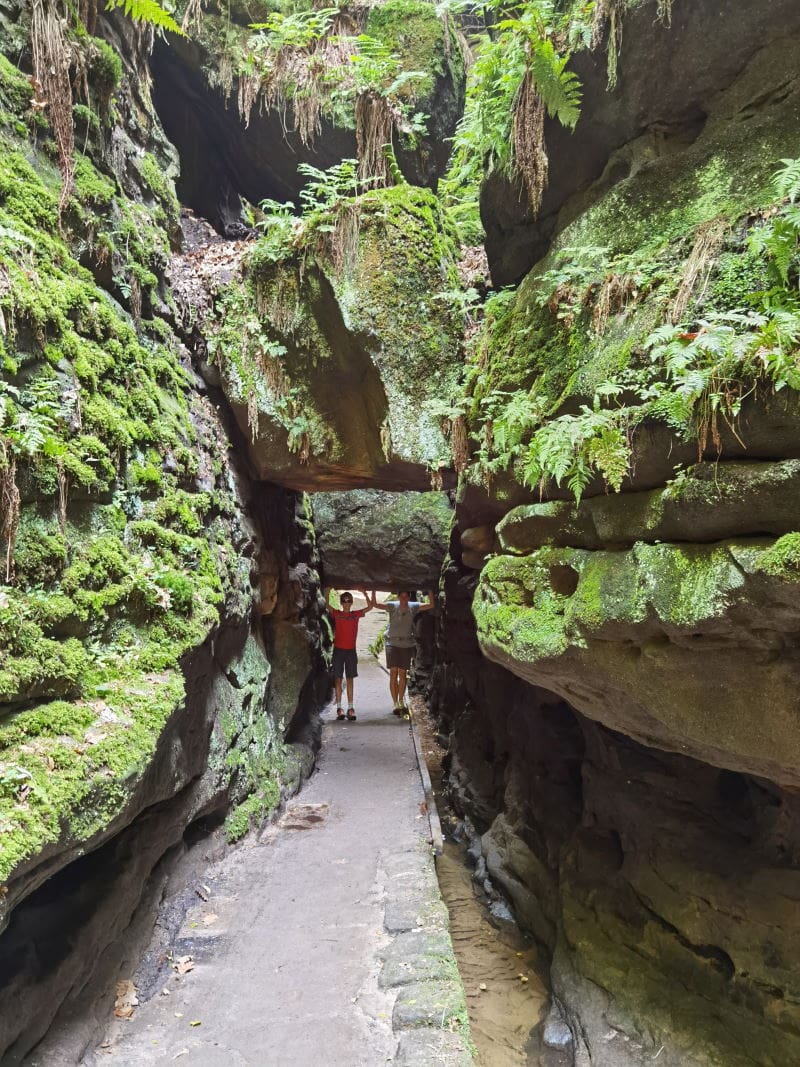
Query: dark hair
{"x":346,"y":597}
{"x":409,"y":593}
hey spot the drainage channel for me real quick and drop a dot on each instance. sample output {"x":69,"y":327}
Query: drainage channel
{"x":500,"y":967}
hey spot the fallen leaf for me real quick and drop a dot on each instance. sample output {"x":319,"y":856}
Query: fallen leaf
{"x":183,"y":964}
{"x":195,"y":1022}
{"x":482,"y":987}
{"x":126,"y":999}
{"x":183,"y":1052}
{"x":203,"y":892}
{"x":165,"y":992}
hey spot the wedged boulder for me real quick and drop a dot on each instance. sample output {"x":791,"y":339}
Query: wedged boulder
{"x":711,"y":502}
{"x":334,"y":361}
{"x":382,"y":540}
{"x":667,"y":643}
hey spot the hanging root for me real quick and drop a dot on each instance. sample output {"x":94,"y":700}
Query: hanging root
{"x":610,"y":11}
{"x":707,"y":243}
{"x":459,"y":443}
{"x":301,"y":77}
{"x":279,"y":301}
{"x":343,"y":249}
{"x":386,"y":439}
{"x":252,"y":413}
{"x":665,"y":11}
{"x":374,"y":125}
{"x":192,"y":15}
{"x":9,"y":506}
{"x":274,"y":376}
{"x":530,"y":155}
{"x":247,"y":94}
{"x":614,"y":294}
{"x":51,"y":59}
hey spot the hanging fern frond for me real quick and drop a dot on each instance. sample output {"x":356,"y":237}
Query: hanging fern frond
{"x":559,"y":88}
{"x":147,"y":11}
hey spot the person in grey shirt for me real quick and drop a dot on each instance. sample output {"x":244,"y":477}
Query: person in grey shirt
{"x":399,"y":642}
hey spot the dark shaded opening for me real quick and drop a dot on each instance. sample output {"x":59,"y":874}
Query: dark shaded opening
{"x":563,"y":580}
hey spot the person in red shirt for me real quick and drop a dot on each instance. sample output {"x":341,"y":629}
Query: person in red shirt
{"x":345,"y":657}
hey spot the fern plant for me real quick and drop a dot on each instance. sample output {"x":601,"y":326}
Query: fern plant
{"x":147,"y":11}
{"x":520,"y":71}
{"x":779,"y":238}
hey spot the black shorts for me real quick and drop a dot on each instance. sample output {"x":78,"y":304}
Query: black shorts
{"x":399,"y":657}
{"x":345,"y":662}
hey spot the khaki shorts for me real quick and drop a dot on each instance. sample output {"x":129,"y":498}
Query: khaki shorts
{"x":399,"y":657}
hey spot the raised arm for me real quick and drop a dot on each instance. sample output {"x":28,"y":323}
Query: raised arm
{"x":370,"y":603}
{"x":328,"y":592}
{"x":375,"y":604}
{"x":431,"y":602}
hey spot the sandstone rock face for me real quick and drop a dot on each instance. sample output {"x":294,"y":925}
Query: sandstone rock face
{"x":650,"y":113}
{"x":228,"y":154}
{"x":333,"y":369}
{"x":711,"y":502}
{"x":557,"y":342}
{"x":383,"y":540}
{"x":661,"y":885}
{"x":626,"y":749}
{"x":664,"y":642}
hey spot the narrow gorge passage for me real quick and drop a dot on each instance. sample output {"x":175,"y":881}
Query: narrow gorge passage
{"x":291,"y":968}
{"x":498,"y":303}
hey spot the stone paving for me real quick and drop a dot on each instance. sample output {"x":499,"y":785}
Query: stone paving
{"x":324,"y":939}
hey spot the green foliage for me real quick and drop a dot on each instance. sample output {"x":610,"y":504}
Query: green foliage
{"x":694,"y":376}
{"x":536,"y":41}
{"x":295,"y":30}
{"x":147,"y":11}
{"x":782,"y":559}
{"x":779,"y":237}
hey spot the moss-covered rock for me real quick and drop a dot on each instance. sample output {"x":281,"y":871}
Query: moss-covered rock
{"x":333,"y":358}
{"x":708,"y":502}
{"x":668,"y":243}
{"x":665,"y":642}
{"x":130,"y":563}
